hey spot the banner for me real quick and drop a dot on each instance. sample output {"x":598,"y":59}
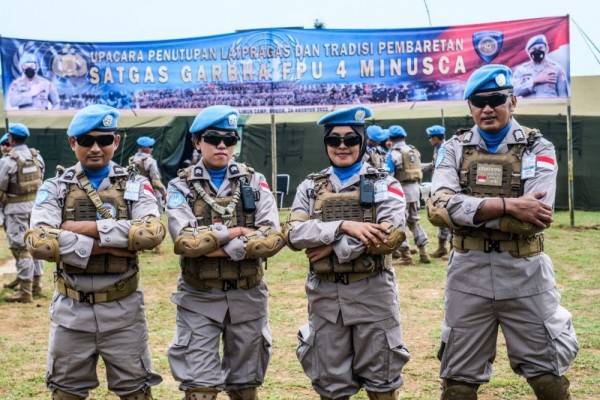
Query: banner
{"x":286,"y":70}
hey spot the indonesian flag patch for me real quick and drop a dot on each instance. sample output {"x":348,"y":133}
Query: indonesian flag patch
{"x":395,"y":192}
{"x":545,"y":162}
{"x":148,"y":188}
{"x":265,"y":185}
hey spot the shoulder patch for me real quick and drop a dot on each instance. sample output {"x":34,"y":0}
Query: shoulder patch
{"x":42,"y":194}
{"x":175,"y":198}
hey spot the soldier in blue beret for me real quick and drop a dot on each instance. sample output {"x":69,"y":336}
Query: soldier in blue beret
{"x":147,"y":166}
{"x":224,"y":223}
{"x":92,"y":220}
{"x":376,"y":150}
{"x":494,"y":186}
{"x":347,"y":218}
{"x":21,"y":174}
{"x":436,"y":134}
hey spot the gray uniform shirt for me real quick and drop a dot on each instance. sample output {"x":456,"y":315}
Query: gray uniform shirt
{"x":526,"y":73}
{"x":8,"y":174}
{"x":242,"y":305}
{"x":495,"y":275}
{"x":360,"y":301}
{"x":75,"y":249}
{"x":411,"y":190}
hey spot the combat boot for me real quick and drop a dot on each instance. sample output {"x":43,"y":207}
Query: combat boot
{"x":144,"y":394}
{"x":204,"y":393}
{"x":455,"y":390}
{"x":37,"y":287}
{"x":243,"y":394}
{"x":404,"y":257}
{"x":423,"y":256}
{"x":550,"y":387}
{"x":60,"y":395}
{"x":393,"y":395}
{"x":23,"y":295}
{"x":441,"y":251}
{"x":12,"y":284}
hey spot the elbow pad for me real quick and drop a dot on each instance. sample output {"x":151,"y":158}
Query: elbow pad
{"x":394,"y":237}
{"x":145,"y":234}
{"x":196,"y":242}
{"x":42,"y":243}
{"x":259,"y":246}
{"x":293,"y":219}
{"x":436,"y":208}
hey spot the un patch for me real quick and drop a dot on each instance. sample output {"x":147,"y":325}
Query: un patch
{"x":175,"y":198}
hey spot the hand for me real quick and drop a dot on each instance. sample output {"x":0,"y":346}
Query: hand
{"x":529,"y":208}
{"x":219,"y":253}
{"x":366,"y":232}
{"x":239,"y":231}
{"x":318,"y":253}
{"x":546,"y":77}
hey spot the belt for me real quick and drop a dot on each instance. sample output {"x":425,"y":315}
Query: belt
{"x":118,"y":291}
{"x":223,"y":284}
{"x":346,"y":278}
{"x":524,"y":247}
{"x":22,"y":198}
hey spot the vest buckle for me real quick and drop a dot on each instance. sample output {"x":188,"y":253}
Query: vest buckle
{"x":229,"y":284}
{"x":490,"y":245}
{"x":89,"y":297}
{"x":342,"y":277}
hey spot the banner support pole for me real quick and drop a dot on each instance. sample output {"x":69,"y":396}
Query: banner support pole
{"x":571,"y":190}
{"x":273,"y":155}
{"x":443,"y":118}
{"x":3,"y":110}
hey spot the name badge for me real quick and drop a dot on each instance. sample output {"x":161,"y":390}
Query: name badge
{"x":381,"y":191}
{"x":528,"y":166}
{"x":132,"y":191}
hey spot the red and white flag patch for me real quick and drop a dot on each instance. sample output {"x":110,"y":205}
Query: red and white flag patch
{"x":265,"y":185}
{"x":395,"y":192}
{"x":148,"y":188}
{"x":545,"y":162}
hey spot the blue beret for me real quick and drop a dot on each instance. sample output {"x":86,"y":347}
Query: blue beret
{"x":346,"y":116}
{"x":19,"y":130}
{"x":397,"y":131}
{"x":386,"y":134}
{"x":488,"y":78}
{"x":145,"y":141}
{"x":4,"y":138}
{"x":376,"y":133}
{"x":97,"y":117}
{"x":220,"y":117}
{"x":436,"y":130}
{"x":537,"y":39}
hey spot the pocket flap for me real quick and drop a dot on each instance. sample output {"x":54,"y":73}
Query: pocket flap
{"x":305,"y":335}
{"x":558,"y":322}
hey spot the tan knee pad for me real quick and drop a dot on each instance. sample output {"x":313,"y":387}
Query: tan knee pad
{"x":201,"y":394}
{"x":550,"y":387}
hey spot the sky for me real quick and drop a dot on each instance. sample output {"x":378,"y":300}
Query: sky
{"x":132,"y":20}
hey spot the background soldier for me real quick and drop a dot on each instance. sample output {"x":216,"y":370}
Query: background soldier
{"x":4,"y":145}
{"x":31,"y":91}
{"x":92,"y":220}
{"x":540,"y":77}
{"x":224,"y":222}
{"x":376,"y":151}
{"x":147,"y":165}
{"x":21,"y":174}
{"x":436,"y":139}
{"x":349,"y":218}
{"x":498,"y":274}
{"x":404,"y":162}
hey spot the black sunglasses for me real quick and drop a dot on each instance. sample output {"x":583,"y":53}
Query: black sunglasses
{"x":215,"y":138}
{"x":493,"y":100}
{"x":102,"y":140}
{"x":348,"y":140}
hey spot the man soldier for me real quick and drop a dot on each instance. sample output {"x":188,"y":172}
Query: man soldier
{"x":92,"y":220}
{"x":349,"y":218}
{"x":436,"y":139}
{"x":494,"y":186}
{"x":147,"y":166}
{"x":21,"y":174}
{"x":224,"y":223}
{"x":31,"y":91}
{"x":404,"y":162}
{"x":376,"y":152}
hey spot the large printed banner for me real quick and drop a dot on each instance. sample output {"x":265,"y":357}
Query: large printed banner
{"x":285,"y":70}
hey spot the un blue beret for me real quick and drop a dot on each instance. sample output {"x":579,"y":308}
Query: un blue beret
{"x":4,"y":138}
{"x":97,"y":117}
{"x":436,"y":130}
{"x":488,"y":78}
{"x":397,"y":131}
{"x":537,"y":39}
{"x":376,"y":133}
{"x":386,"y":134}
{"x":220,"y":117}
{"x":145,"y":141}
{"x":19,"y":130}
{"x":347,"y":116}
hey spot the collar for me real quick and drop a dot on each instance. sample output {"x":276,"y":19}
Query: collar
{"x":234,"y":170}
{"x":70,"y":174}
{"x":514,"y":136}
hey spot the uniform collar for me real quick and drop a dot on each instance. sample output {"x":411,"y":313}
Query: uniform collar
{"x":365,"y":169}
{"x":516,"y":135}
{"x":70,"y":174}
{"x":234,"y":170}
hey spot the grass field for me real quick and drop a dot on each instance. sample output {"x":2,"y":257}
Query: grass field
{"x":575,"y":253}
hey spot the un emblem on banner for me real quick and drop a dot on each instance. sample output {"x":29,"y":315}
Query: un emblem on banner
{"x":488,"y":44}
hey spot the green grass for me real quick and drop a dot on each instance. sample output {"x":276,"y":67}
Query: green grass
{"x":23,"y":331}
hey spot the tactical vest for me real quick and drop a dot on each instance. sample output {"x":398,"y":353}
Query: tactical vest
{"x":376,"y":159}
{"x":411,"y":165}
{"x":138,"y":163}
{"x":331,"y":206}
{"x":78,"y":207}
{"x":29,"y":178}
{"x":212,"y":272}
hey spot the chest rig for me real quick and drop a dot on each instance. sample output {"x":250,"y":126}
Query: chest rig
{"x":346,"y":206}
{"x":204,"y":273}
{"x":376,"y":158}
{"x":138,"y":164}
{"x":411,"y":165}
{"x":29,"y":178}
{"x":79,"y":207}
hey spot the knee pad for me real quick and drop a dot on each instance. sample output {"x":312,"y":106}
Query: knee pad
{"x":550,"y":387}
{"x":201,"y":394}
{"x":455,"y":390}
